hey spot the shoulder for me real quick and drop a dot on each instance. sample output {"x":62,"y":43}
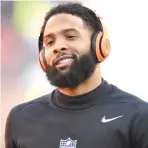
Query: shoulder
{"x":35,"y":103}
{"x":119,"y":95}
{"x":132,"y":101}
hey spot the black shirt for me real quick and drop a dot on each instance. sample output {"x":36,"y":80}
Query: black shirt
{"x":106,"y":117}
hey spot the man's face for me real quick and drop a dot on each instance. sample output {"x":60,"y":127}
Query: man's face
{"x":67,"y":51}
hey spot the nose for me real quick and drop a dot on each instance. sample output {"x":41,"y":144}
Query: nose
{"x":60,"y":48}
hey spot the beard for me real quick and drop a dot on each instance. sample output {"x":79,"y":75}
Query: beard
{"x":79,"y":71}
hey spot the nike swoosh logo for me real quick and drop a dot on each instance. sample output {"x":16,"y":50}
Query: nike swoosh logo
{"x":104,"y":120}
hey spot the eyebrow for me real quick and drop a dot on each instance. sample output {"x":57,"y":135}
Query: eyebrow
{"x":63,"y":31}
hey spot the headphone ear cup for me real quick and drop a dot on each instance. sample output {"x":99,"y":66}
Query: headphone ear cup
{"x":105,"y":46}
{"x":101,"y":42}
{"x":98,"y":49}
{"x":105,"y":43}
{"x":42,"y":61}
{"x":102,"y":47}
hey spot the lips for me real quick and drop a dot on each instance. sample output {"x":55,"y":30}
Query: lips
{"x":63,"y":59}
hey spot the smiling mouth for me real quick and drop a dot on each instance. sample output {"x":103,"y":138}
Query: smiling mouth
{"x":64,"y":61}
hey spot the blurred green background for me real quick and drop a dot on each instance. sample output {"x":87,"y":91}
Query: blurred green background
{"x":22,"y":78}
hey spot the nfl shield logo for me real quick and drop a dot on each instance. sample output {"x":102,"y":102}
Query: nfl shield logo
{"x":68,"y":143}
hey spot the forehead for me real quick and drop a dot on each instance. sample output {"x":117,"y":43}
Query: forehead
{"x":63,"y":21}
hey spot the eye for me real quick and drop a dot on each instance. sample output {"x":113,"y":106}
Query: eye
{"x":50,"y":43}
{"x":70,"y":36}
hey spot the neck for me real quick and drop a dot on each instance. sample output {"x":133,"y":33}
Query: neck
{"x":87,"y":86}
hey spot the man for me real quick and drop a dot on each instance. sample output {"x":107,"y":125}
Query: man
{"x":84,"y":111}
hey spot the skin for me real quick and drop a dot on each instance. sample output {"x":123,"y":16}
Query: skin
{"x":68,"y":33}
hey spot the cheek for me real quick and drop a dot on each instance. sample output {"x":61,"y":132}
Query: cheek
{"x":84,"y":46}
{"x":48,"y":57}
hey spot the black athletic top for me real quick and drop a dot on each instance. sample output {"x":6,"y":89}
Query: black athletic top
{"x":106,"y":117}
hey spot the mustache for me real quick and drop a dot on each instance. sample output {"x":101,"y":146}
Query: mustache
{"x":63,"y":55}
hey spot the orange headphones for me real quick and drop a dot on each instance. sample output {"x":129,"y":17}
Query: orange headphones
{"x":100,"y":46}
